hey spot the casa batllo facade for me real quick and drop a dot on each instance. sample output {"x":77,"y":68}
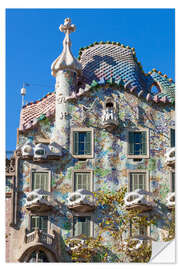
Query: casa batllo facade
{"x":106,"y":125}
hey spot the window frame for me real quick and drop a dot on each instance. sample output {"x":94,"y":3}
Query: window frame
{"x":41,"y":171}
{"x":170,"y":137}
{"x":38,"y":214}
{"x":147,"y":143}
{"x":146,"y":172}
{"x":147,"y":230}
{"x":91,"y":223}
{"x":170,"y":182}
{"x":83,"y":171}
{"x":92,"y":142}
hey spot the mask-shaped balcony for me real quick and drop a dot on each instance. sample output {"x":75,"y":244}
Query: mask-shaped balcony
{"x":74,"y":243}
{"x":170,"y":200}
{"x":139,"y":200}
{"x":81,"y":201}
{"x":170,"y":157}
{"x":37,"y":201}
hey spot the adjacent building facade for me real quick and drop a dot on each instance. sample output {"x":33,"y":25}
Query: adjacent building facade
{"x":106,"y":125}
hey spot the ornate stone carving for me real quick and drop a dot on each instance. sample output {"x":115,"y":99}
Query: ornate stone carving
{"x":10,"y":166}
{"x":170,"y":157}
{"x":66,"y":60}
{"x":81,"y":201}
{"x":139,"y":199}
{"x":170,"y":200}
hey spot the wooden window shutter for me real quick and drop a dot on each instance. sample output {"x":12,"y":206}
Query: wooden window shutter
{"x":88,"y":143}
{"x":131,"y":143}
{"x":144,"y":142}
{"x":75,"y":143}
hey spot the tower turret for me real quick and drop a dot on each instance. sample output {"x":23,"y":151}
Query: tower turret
{"x":65,"y":68}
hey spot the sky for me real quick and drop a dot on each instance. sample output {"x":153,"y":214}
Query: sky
{"x":33,"y":42}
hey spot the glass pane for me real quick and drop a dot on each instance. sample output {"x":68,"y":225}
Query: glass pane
{"x":42,"y":257}
{"x":173,"y":182}
{"x":137,"y":143}
{"x":39,"y":222}
{"x":172,"y":137}
{"x":40,"y":180}
{"x":82,"y":226}
{"x":82,"y":181}
{"x":9,"y":183}
{"x":44,"y":223}
{"x":137,"y":181}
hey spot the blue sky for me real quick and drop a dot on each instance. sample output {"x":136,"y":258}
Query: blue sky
{"x":33,"y":41}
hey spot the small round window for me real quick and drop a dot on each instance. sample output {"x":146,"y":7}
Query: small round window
{"x":154,"y":89}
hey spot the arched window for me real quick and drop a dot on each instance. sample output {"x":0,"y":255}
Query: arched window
{"x":38,"y":256}
{"x":109,"y":105}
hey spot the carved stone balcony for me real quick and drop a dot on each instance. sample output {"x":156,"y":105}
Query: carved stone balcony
{"x":37,"y":201}
{"x":109,"y":119}
{"x":139,"y":200}
{"x":170,"y":157}
{"x":81,"y":201}
{"x":171,"y":200}
{"x":40,"y":237}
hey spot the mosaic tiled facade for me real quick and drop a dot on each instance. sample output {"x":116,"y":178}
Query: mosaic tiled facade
{"x":108,"y":95}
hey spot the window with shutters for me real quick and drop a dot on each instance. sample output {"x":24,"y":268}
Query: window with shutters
{"x":82,"y":225}
{"x":172,"y":135}
{"x":83,"y":180}
{"x":40,"y":180}
{"x":82,"y":142}
{"x":137,"y":180}
{"x":39,"y":222}
{"x":172,"y":181}
{"x":138,"y":144}
{"x":138,"y":229}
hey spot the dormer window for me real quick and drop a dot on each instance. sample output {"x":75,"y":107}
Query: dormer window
{"x":109,"y":105}
{"x":109,"y":116}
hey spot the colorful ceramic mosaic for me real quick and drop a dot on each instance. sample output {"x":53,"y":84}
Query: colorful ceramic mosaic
{"x":110,"y":75}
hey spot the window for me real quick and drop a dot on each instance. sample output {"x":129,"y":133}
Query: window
{"x":40,"y":180}
{"x":40,"y":222}
{"x":82,"y":143}
{"x":82,"y":180}
{"x":173,"y":182}
{"x":9,"y":184}
{"x":38,"y":256}
{"x":81,"y":225}
{"x":172,"y":137}
{"x":138,"y":144}
{"x":137,"y":229}
{"x":137,"y":181}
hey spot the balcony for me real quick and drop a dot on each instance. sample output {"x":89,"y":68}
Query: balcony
{"x":37,"y":201}
{"x":74,"y":243}
{"x":139,"y":200}
{"x":40,"y":237}
{"x":170,"y":200}
{"x":109,"y":118}
{"x":170,"y":157}
{"x":81,"y":201}
{"x":40,"y":152}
